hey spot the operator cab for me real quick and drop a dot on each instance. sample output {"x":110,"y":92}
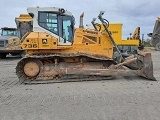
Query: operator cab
{"x":54,"y":21}
{"x":6,"y":34}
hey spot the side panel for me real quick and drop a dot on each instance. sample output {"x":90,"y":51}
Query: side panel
{"x":116,"y":31}
{"x":36,"y":40}
{"x":30,"y":42}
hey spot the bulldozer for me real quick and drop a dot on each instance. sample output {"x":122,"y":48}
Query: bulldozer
{"x":59,"y":52}
{"x":128,"y":46}
{"x":10,"y":39}
{"x":155,"y":36}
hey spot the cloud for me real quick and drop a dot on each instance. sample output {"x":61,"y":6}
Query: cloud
{"x":142,"y":13}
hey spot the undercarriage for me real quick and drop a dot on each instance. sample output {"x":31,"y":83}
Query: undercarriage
{"x":80,"y":67}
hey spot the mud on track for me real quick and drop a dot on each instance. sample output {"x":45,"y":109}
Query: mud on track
{"x":123,"y":98}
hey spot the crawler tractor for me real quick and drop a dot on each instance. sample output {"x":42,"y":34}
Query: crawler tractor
{"x":58,"y":52}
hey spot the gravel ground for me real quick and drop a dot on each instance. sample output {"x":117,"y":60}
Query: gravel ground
{"x":129,"y":98}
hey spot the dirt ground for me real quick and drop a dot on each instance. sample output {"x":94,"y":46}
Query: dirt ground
{"x":129,"y":98}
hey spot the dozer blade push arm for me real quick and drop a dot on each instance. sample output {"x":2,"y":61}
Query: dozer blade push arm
{"x":109,"y":34}
{"x":142,"y":65}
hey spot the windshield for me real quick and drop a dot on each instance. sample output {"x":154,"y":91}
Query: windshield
{"x":61,"y":25}
{"x":8,"y":32}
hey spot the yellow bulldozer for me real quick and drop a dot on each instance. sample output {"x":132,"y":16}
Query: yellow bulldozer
{"x":10,"y":39}
{"x":126,"y":46}
{"x":58,"y":52}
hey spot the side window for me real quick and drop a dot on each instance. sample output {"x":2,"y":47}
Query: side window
{"x":49,"y":21}
{"x":3,"y":32}
{"x":11,"y":32}
{"x":67,"y":29}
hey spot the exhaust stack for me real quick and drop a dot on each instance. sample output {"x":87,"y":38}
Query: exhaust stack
{"x":81,"y":21}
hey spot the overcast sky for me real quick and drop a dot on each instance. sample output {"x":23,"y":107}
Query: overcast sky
{"x":131,"y":13}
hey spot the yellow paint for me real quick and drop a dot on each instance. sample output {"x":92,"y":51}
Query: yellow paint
{"x":23,"y":17}
{"x":86,"y":41}
{"x":116,"y":31}
{"x":102,"y":45}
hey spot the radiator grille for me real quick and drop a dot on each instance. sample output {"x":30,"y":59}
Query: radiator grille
{"x":1,"y":43}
